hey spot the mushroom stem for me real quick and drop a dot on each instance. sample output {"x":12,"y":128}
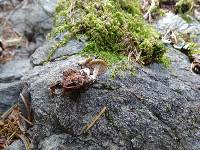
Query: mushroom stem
{"x":86,"y":70}
{"x":96,"y":72}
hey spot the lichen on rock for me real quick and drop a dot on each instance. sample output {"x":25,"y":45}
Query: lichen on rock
{"x":113,"y":29}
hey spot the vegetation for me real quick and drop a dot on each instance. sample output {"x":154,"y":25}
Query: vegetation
{"x":114,"y":28}
{"x":183,"y":6}
{"x":165,"y":61}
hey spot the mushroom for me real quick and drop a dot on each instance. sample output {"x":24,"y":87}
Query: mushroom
{"x":173,"y":37}
{"x":85,"y":70}
{"x":99,"y":67}
{"x":84,"y":62}
{"x":195,"y":66}
{"x":2,"y":45}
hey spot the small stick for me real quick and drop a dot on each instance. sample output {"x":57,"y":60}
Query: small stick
{"x":94,"y":120}
{"x":12,"y":135}
{"x":25,"y":140}
{"x":27,"y":105}
{"x":26,"y":120}
{"x":5,"y":115}
{"x":13,"y":42}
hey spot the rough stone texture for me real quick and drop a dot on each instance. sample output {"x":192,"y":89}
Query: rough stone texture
{"x":31,"y":18}
{"x":48,"y":5}
{"x":9,"y":94}
{"x":175,"y":22}
{"x":157,"y":109}
{"x":16,"y":145}
{"x":54,"y":142}
{"x":14,"y":70}
{"x":42,"y":53}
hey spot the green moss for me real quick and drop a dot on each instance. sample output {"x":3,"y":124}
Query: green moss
{"x":165,"y":61}
{"x":194,"y":48}
{"x":113,"y":28}
{"x":187,"y":18}
{"x":109,"y":117}
{"x":121,"y":68}
{"x":184,"y":6}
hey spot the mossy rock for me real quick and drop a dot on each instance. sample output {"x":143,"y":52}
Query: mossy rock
{"x":113,"y":29}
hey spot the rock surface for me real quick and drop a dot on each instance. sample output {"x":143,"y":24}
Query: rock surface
{"x":176,"y":23}
{"x":9,"y":94}
{"x":14,"y":70}
{"x":16,"y":145}
{"x":42,"y":53}
{"x":157,"y":109}
{"x":32,"y":19}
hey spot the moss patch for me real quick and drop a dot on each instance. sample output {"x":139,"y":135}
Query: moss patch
{"x":165,"y":61}
{"x":183,"y":6}
{"x":113,"y":28}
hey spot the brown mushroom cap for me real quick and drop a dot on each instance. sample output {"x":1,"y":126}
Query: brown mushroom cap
{"x":98,"y":62}
{"x":196,"y":58}
{"x":85,"y":62}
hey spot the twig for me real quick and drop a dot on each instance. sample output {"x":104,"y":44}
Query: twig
{"x":5,"y":115}
{"x":12,"y":135}
{"x":27,"y":105}
{"x":25,"y":140}
{"x":94,"y":120}
{"x":13,"y":42}
{"x":26,"y":120}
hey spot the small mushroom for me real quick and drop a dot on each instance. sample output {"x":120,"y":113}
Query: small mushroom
{"x":195,"y":66}
{"x":85,"y":70}
{"x":197,"y":13}
{"x":173,"y":37}
{"x":99,"y":67}
{"x":84,"y":62}
{"x":2,"y":45}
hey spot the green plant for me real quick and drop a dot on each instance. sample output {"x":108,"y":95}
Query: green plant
{"x":113,"y":28}
{"x":165,"y":61}
{"x":184,"y":6}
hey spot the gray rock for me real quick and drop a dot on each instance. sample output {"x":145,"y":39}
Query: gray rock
{"x":16,"y":145}
{"x":6,"y":5}
{"x":156,"y":109}
{"x":42,"y":53}
{"x":9,"y":94}
{"x":175,"y":22}
{"x":71,"y":48}
{"x":14,"y":70}
{"x":31,"y":18}
{"x":53,"y":142}
{"x":48,"y":5}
